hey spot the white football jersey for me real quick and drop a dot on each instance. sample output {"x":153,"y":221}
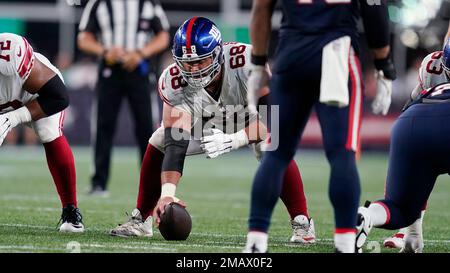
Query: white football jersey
{"x":197,"y":102}
{"x":431,"y":72}
{"x":16,"y":62}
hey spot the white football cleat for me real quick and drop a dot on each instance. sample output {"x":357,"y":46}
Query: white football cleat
{"x":303,"y":230}
{"x":256,"y":242}
{"x":71,"y":218}
{"x":395,"y":241}
{"x":363,"y":227}
{"x":134,"y":227}
{"x":414,"y":237}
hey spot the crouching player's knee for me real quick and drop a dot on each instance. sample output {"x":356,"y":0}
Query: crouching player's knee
{"x":157,"y":139}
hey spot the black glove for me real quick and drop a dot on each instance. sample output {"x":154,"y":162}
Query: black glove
{"x":387,"y":66}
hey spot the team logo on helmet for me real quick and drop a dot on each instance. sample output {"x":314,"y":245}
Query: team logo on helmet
{"x":215,"y":33}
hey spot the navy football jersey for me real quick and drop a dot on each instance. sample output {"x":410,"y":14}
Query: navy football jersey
{"x":320,"y":16}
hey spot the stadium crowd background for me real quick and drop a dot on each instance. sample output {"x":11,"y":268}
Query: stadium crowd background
{"x":418,"y":28}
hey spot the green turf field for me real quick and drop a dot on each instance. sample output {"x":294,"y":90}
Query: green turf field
{"x":216,"y":191}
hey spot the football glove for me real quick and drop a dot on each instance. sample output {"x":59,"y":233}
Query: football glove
{"x":385,"y":75}
{"x":12,"y":119}
{"x":257,"y":79}
{"x":220,"y":143}
{"x":382,"y":99}
{"x":5,"y":127}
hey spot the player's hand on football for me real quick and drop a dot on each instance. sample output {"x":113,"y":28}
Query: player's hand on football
{"x":162,"y":203}
{"x":257,"y":80}
{"x":5,"y":127}
{"x":382,"y":101}
{"x":131,"y":60}
{"x":216,"y":144}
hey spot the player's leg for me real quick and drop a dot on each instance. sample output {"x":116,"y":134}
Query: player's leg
{"x":140,"y":223}
{"x":292,"y":193}
{"x":397,"y":240}
{"x":294,"y":110}
{"x":411,"y":176}
{"x":344,"y":188}
{"x":62,"y":168}
{"x":138,"y":93}
{"x":340,"y":132}
{"x":107,"y":109}
{"x":150,"y":177}
{"x":293,"y":197}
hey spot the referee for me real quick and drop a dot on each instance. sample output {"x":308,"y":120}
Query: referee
{"x":124,"y":34}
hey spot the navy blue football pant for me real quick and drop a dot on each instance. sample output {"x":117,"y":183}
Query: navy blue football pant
{"x":419,"y":153}
{"x":297,"y":92}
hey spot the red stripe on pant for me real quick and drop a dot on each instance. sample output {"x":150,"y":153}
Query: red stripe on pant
{"x":355,"y":105}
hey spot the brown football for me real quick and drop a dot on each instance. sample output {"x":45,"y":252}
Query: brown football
{"x":175,"y":223}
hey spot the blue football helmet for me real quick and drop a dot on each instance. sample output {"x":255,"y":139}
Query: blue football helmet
{"x":446,"y":58}
{"x":197,"y":39}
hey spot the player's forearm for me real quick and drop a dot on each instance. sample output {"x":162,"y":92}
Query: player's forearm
{"x":88,"y":44}
{"x":376,"y":23}
{"x":158,"y":44}
{"x":256,"y":131}
{"x":261,"y":26}
{"x":176,"y":142}
{"x":35,"y":110}
{"x":172,"y":177}
{"x":381,"y":53}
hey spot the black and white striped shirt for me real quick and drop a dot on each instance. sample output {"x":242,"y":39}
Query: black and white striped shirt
{"x":128,"y":24}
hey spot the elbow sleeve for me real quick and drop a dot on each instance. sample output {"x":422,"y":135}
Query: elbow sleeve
{"x":53,"y":96}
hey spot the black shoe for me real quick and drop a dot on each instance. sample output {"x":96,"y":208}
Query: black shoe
{"x":71,"y":218}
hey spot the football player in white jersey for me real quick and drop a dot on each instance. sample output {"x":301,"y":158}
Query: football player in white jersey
{"x":32,"y":92}
{"x":207,"y":83}
{"x":431,"y":73}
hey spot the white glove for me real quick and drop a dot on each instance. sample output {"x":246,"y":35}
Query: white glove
{"x":258,"y":79}
{"x":382,"y":99}
{"x":220,"y":143}
{"x":12,"y":119}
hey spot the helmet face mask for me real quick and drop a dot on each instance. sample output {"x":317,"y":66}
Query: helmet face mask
{"x":197,"y":51}
{"x":208,"y":67}
{"x":446,"y":71}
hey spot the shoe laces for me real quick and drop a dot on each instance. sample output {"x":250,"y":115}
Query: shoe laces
{"x":132,"y":220}
{"x":71,"y":214}
{"x":300,"y":229}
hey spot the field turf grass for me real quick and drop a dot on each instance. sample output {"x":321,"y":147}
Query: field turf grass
{"x":216,"y":191}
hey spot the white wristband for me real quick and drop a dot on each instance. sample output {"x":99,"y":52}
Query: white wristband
{"x":239,"y":139}
{"x":168,"y":190}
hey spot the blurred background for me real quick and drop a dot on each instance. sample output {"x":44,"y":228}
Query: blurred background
{"x":418,"y":28}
